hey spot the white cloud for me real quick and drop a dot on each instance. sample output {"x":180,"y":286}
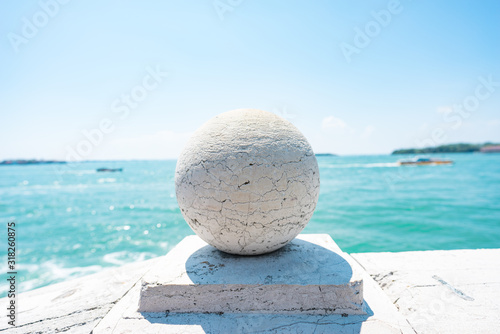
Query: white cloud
{"x":368,"y":131}
{"x":423,"y":127}
{"x":283,"y":112}
{"x":444,"y":110}
{"x":332,"y":122}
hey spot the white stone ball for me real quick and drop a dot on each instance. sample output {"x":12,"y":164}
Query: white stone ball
{"x":247,"y":182}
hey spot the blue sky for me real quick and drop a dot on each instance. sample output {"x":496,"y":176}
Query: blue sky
{"x":133,"y":79}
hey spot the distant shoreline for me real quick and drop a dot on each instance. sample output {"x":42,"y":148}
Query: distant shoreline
{"x":452,"y":148}
{"x":31,"y":162}
{"x":49,"y":162}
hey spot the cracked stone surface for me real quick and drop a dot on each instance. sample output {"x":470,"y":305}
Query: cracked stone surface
{"x":310,"y":275}
{"x":437,"y":291}
{"x":124,"y":318}
{"x":247,"y":182}
{"x":379,"y":316}
{"x":441,"y":291}
{"x":74,"y":306}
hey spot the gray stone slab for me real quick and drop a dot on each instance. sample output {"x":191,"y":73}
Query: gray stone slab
{"x":74,"y":306}
{"x":441,"y":291}
{"x":310,"y":275}
{"x":381,"y":316}
{"x":438,"y":291}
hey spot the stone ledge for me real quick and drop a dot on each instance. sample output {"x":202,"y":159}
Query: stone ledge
{"x":76,"y":305}
{"x":441,"y":291}
{"x":310,"y":275}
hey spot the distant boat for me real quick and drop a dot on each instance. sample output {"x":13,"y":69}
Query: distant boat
{"x":490,"y":149}
{"x":109,"y":170}
{"x":424,"y":162}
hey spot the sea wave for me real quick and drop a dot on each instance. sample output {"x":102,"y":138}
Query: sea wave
{"x":372,"y":165}
{"x":106,"y":180}
{"x":48,"y":272}
{"x":81,"y":172}
{"x":124,"y":257}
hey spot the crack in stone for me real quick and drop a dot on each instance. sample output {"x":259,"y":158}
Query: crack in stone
{"x":107,"y":305}
{"x":238,"y":191}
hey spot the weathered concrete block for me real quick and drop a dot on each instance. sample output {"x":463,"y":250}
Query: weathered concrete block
{"x":310,"y":275}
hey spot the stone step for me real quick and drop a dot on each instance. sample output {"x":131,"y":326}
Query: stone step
{"x":310,"y":275}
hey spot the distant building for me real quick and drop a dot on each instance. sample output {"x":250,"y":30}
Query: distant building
{"x":491,"y":149}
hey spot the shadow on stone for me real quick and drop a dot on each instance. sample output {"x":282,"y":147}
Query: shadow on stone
{"x":298,"y":263}
{"x":261,"y":323}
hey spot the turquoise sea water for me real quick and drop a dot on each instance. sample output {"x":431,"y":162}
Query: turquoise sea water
{"x":73,"y":221}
